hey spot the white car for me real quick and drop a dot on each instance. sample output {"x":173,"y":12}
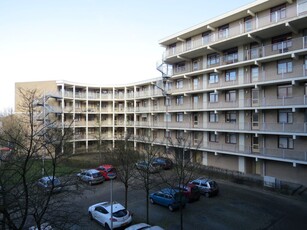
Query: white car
{"x":101,"y":212}
{"x":143,"y":226}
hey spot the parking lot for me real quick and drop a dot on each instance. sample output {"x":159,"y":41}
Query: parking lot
{"x":236,"y":207}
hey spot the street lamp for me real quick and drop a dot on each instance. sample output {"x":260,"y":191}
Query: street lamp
{"x":111,"y":198}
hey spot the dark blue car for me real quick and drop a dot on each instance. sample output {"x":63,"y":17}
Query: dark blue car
{"x":171,"y":198}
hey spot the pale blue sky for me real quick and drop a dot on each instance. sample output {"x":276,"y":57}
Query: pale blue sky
{"x":91,"y":41}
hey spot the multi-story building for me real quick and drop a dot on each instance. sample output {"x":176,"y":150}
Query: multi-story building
{"x":237,"y":92}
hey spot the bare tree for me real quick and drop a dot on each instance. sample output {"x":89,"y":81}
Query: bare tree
{"x":123,"y":157}
{"x":38,"y":145}
{"x":146,"y":176}
{"x":185,"y":168}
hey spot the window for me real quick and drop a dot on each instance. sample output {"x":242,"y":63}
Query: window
{"x":278,"y":13}
{"x":213,"y":78}
{"x":206,"y":37}
{"x":213,"y":59}
{"x":231,"y":55}
{"x":195,"y":118}
{"x":179,"y":134}
{"x":284,"y":91}
{"x":213,"y":137}
{"x":282,"y":43}
{"x":254,"y":73}
{"x":255,"y":50}
{"x":230,"y":96}
{"x":179,"y":117}
{"x":213,"y":117}
{"x":230,"y":138}
{"x":285,"y":116}
{"x":248,"y":23}
{"x":167,"y":134}
{"x":213,"y":97}
{"x":231,"y":116}
{"x":180,"y":67}
{"x":179,"y":84}
{"x":224,"y":31}
{"x":195,"y":82}
{"x":195,"y":138}
{"x":195,"y":63}
{"x":285,"y":142}
{"x":188,"y":43}
{"x":284,"y":66}
{"x":179,"y":100}
{"x":167,"y":117}
{"x":172,"y":49}
{"x":168,"y":86}
{"x":167,"y":101}
{"x":231,"y":75}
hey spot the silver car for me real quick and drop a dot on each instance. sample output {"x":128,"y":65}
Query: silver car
{"x":91,"y":176}
{"x":50,"y":184}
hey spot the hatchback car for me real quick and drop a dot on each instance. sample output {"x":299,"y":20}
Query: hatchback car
{"x":168,"y":197}
{"x":206,"y":186}
{"x":50,"y":184}
{"x":163,"y":162}
{"x":91,"y":176}
{"x":190,"y":191}
{"x":143,"y":226}
{"x":101,"y":212}
{"x":146,"y":166}
{"x":107,"y":171}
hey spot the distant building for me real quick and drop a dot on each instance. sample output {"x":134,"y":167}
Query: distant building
{"x":238,"y":91}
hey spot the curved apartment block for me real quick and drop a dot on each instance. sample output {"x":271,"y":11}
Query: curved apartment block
{"x":236,"y":87}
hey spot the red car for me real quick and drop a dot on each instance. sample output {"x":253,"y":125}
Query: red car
{"x":190,"y":191}
{"x":108,"y":171}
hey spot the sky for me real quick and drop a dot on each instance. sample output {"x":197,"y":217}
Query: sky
{"x":104,"y":42}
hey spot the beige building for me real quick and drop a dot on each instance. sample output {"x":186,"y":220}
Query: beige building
{"x":235,"y":92}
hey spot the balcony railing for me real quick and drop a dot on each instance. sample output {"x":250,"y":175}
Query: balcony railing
{"x":236,"y":149}
{"x":260,"y":21}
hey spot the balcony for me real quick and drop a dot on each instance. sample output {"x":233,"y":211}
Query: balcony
{"x":276,"y":154}
{"x":262,"y":20}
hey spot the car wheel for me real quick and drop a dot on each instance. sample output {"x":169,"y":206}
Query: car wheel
{"x":152,"y":201}
{"x":170,"y":207}
{"x":90,"y":215}
{"x":107,"y":226}
{"x":207,"y":195}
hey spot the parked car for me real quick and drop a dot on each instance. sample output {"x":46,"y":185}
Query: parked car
{"x":206,"y":186}
{"x":91,"y":176}
{"x":163,"y":162}
{"x":191,"y":191}
{"x":168,"y":197}
{"x":44,"y":226}
{"x":107,"y":171}
{"x":145,"y":165}
{"x":143,"y":226}
{"x":101,"y":212}
{"x":50,"y":184}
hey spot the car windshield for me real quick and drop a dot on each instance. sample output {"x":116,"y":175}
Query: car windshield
{"x":95,"y":175}
{"x":120,"y":213}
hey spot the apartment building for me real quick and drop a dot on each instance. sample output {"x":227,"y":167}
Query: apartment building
{"x":236,"y":95}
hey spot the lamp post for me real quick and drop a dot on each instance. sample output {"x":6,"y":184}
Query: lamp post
{"x":111,"y":199}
